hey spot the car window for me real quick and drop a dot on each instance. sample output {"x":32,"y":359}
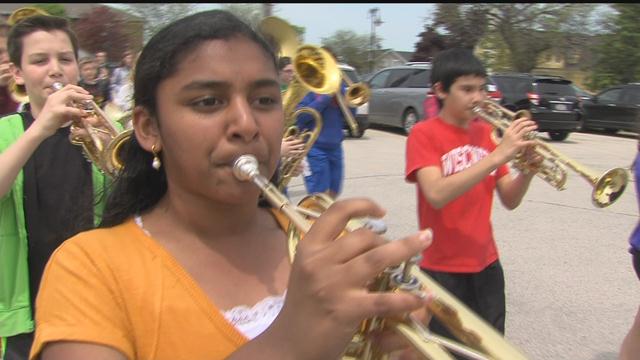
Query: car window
{"x":419,"y":79}
{"x":554,"y":87}
{"x":398,"y":77}
{"x":631,"y":96}
{"x":378,"y":81}
{"x":352,"y":74}
{"x":513,"y":85}
{"x":610,"y":95}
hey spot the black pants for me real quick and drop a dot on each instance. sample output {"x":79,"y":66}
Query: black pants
{"x":18,"y":347}
{"x":482,"y":292}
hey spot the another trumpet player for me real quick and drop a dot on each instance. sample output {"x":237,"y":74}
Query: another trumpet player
{"x":7,"y":103}
{"x":47,"y":187}
{"x":456,"y":166}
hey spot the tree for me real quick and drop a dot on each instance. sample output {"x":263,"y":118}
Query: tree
{"x":618,"y":54}
{"x":157,"y":15}
{"x":429,"y":45}
{"x":528,"y":29}
{"x":519,"y":32}
{"x":350,"y":48}
{"x":53,"y":9}
{"x":103,"y":29}
{"x":465,"y":24}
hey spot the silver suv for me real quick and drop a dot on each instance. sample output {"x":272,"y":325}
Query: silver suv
{"x":397,"y":95}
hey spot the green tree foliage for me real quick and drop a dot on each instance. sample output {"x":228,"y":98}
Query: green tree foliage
{"x":618,"y":54}
{"x":103,"y":29}
{"x":465,"y":24}
{"x":53,"y":9}
{"x":351,"y":48}
{"x":158,"y":15}
{"x":517,"y":33}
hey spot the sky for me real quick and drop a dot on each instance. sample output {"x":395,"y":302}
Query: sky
{"x":401,"y":22}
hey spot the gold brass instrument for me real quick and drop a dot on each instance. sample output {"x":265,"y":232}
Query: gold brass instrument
{"x":480,"y":339}
{"x":607,"y":188}
{"x":289,"y":164}
{"x":103,"y":147}
{"x":356,"y":94}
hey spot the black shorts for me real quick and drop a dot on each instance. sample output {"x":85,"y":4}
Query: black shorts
{"x":482,"y":292}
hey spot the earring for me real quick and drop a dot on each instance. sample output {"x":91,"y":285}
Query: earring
{"x":156,"y":160}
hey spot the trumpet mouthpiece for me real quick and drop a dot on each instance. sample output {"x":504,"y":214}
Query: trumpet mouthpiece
{"x":57,"y":86}
{"x":245,"y":167}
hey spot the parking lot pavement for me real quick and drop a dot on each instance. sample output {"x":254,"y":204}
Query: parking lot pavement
{"x":571,"y":290}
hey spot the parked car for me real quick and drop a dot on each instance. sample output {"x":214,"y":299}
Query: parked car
{"x":361,"y":111}
{"x":397,"y":94}
{"x":552,"y":101}
{"x":613,"y":109}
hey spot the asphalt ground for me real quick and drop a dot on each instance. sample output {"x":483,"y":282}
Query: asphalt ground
{"x":570,"y":286}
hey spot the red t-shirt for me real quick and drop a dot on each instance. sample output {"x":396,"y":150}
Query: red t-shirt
{"x":462,"y":233}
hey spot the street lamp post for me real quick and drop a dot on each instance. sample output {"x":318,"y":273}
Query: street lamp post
{"x":374,"y":14}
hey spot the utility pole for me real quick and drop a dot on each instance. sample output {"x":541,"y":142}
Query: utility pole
{"x":374,"y":14}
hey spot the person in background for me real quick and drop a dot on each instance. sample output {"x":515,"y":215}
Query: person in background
{"x":326,"y":157}
{"x":104,"y":72}
{"x":456,"y":166}
{"x":7,"y":103}
{"x":48,"y":190}
{"x":185,"y":256}
{"x":286,"y":71}
{"x":121,"y":74}
{"x":89,"y":81}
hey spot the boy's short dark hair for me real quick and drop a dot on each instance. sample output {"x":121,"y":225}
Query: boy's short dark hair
{"x":32,"y":24}
{"x":86,"y":60}
{"x":283,"y":61}
{"x":448,"y":65}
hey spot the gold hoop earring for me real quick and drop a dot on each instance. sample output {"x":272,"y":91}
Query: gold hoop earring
{"x":156,"y":163}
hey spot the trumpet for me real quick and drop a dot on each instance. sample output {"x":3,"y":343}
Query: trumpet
{"x":479,"y":340}
{"x":607,"y":188}
{"x":103,"y":147}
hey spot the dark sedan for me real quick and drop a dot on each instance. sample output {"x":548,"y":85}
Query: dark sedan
{"x":613,"y":109}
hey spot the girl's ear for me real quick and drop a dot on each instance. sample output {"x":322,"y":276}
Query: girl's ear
{"x":146,"y":129}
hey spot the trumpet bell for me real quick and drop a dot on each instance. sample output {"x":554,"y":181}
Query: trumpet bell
{"x":357,"y":94}
{"x":609,"y":187}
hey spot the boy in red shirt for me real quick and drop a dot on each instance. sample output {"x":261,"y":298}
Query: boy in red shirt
{"x":456,"y":166}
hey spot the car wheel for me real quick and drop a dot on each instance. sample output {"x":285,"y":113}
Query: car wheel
{"x":409,"y":119}
{"x":558,"y":135}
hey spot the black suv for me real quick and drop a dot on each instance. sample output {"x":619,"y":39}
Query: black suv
{"x":613,"y":109}
{"x":552,"y":101}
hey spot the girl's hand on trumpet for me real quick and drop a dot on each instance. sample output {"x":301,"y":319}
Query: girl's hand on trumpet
{"x":327,"y":296}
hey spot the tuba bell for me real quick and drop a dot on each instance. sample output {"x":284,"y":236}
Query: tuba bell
{"x":477,"y":339}
{"x":607,"y":188}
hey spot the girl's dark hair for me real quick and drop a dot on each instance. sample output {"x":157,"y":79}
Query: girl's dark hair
{"x":139,"y":187}
{"x":448,"y":65}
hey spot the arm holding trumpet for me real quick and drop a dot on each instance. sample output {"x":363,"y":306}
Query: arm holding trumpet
{"x":54,"y":111}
